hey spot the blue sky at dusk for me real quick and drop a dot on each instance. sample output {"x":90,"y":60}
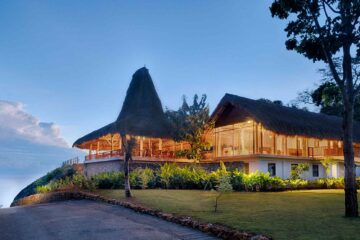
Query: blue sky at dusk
{"x":70,"y":62}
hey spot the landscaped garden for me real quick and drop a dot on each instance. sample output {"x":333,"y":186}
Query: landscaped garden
{"x":253,"y":202}
{"x":304,"y":214}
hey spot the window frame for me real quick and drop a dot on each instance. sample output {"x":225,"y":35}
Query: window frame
{"x":318,"y":172}
{"x":274,"y":169}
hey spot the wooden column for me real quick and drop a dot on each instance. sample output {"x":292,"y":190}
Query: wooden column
{"x":261,"y":139}
{"x":141,"y":146}
{"x":150,"y":149}
{"x":112,"y":142}
{"x":97,"y":148}
{"x":90,"y":151}
{"x":297,"y":145}
{"x":120,"y":142}
{"x":160,"y":144}
{"x":254,"y":138}
{"x":274,"y":143}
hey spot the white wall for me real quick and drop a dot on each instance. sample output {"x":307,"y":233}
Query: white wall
{"x":283,"y":168}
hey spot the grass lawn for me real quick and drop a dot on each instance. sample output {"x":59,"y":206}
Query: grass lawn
{"x":312,"y":214}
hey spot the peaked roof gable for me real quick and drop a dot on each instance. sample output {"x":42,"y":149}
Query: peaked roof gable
{"x":280,"y":119}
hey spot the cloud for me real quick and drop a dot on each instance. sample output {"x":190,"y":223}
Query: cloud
{"x":28,"y":149}
{"x":15,"y":122}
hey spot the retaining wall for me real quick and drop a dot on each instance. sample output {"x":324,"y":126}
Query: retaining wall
{"x":95,"y":167}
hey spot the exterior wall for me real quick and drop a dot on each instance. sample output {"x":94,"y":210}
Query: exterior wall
{"x":283,"y":167}
{"x":93,"y":167}
{"x":96,"y":167}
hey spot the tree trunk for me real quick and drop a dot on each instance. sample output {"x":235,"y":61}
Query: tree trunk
{"x":126,"y":173}
{"x":351,"y":204}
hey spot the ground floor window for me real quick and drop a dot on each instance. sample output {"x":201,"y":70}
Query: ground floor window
{"x":315,"y":170}
{"x":272,"y":169}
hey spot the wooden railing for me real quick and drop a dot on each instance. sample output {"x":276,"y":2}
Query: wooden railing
{"x":157,"y":154}
{"x":332,"y":152}
{"x":72,"y":161}
{"x":107,"y":154}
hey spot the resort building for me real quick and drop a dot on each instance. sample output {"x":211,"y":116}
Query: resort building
{"x":141,"y":118}
{"x":272,"y":138}
{"x":256,"y":135}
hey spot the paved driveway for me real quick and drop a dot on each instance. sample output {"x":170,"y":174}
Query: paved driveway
{"x":87,"y":220}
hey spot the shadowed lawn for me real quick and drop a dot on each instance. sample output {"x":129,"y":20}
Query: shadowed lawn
{"x":313,"y":214}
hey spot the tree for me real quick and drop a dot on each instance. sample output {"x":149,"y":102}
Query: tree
{"x":224,"y":184}
{"x":322,"y":30}
{"x":327,"y":162}
{"x":128,"y":146}
{"x":190,"y":122}
{"x":297,"y":170}
{"x":327,"y":95}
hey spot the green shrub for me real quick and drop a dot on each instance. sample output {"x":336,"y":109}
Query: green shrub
{"x":296,"y":184}
{"x":166,"y":172}
{"x":109,"y":180}
{"x":237,"y":180}
{"x":42,"y":189}
{"x":188,"y":177}
{"x":173,"y":176}
{"x":297,"y":170}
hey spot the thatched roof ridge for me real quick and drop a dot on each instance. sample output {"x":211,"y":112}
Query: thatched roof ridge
{"x":110,"y":128}
{"x":280,"y":119}
{"x":142,"y":113}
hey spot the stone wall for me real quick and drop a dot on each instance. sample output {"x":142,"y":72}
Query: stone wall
{"x":115,"y":165}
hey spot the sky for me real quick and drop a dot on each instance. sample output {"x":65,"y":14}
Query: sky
{"x":70,"y":62}
{"x":65,"y":67}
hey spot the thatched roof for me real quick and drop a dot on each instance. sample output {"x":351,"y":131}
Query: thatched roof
{"x":141,"y":114}
{"x":280,"y":119}
{"x":110,"y":128}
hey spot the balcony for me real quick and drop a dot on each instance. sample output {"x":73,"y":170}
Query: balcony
{"x":145,"y":155}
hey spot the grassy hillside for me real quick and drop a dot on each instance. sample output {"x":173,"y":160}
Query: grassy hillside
{"x":58,"y":173}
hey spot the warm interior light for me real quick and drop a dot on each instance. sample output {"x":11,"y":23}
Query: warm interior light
{"x":249,"y":121}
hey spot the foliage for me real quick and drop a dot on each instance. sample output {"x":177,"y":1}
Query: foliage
{"x":291,"y":215}
{"x":326,"y":162}
{"x":43,"y":189}
{"x":142,"y":177}
{"x":190,"y":122}
{"x":58,"y":173}
{"x":74,"y":182}
{"x":327,"y":95}
{"x":224,"y":186}
{"x":173,"y":176}
{"x":109,"y":180}
{"x":329,"y":31}
{"x":166,"y":171}
{"x":297,"y":170}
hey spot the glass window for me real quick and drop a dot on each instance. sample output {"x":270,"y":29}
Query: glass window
{"x":280,"y":145}
{"x":225,"y":143}
{"x":315,"y":170}
{"x":268,"y":142}
{"x":243,"y":140}
{"x":292,"y":146}
{"x":272,"y":169}
{"x":233,"y":140}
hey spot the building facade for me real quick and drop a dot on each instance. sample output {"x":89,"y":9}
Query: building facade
{"x":261,"y":135}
